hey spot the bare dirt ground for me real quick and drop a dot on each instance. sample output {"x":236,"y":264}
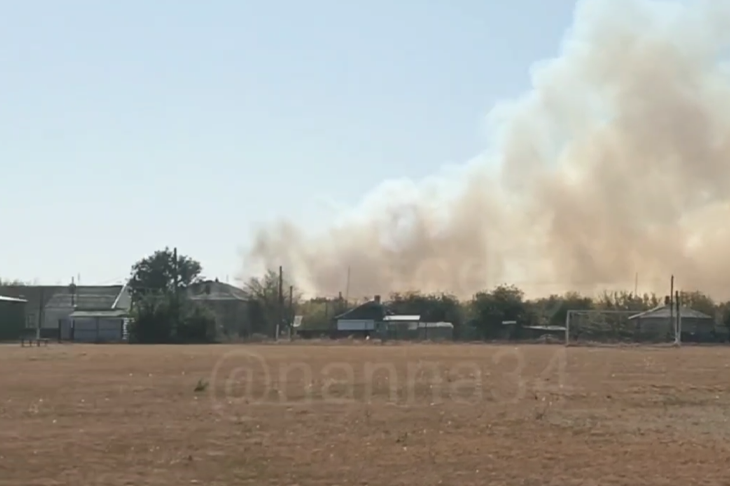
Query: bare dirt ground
{"x":363,"y":414}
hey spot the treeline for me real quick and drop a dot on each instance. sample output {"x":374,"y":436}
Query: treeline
{"x":482,"y":315}
{"x":163,"y":311}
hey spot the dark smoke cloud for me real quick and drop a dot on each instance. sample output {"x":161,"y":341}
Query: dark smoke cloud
{"x":616,"y":162}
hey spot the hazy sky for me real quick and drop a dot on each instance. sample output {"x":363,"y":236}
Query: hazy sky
{"x":128,"y":126}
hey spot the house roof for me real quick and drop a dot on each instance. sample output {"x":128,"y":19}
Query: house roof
{"x":371,"y":308}
{"x":213,"y":290}
{"x":124,"y":299}
{"x":11,"y":299}
{"x":402,"y":318}
{"x":665,"y":311}
{"x":87,"y":297}
{"x":106,"y":313}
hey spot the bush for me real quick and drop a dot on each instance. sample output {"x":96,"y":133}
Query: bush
{"x":159,"y":319}
{"x":197,"y":325}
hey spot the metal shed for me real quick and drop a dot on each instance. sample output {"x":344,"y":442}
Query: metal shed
{"x":12,"y":318}
{"x":413,"y":328}
{"x":436,"y":330}
{"x":400,"y":327}
{"x":98,"y":326}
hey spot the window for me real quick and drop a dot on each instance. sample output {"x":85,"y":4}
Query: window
{"x":30,"y":321}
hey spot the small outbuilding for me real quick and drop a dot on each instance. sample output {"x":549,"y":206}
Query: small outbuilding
{"x":657,"y":324}
{"x":436,"y":331}
{"x":361,"y":321}
{"x":412,"y":327}
{"x":96,"y":326}
{"x":12,"y":318}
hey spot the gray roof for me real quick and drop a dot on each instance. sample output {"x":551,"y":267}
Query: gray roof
{"x":98,"y":313}
{"x":212,"y":290}
{"x":87,"y":297}
{"x":124,"y":299}
{"x":11,"y":299}
{"x":401,"y":318}
{"x":372,"y":309}
{"x":665,"y":311}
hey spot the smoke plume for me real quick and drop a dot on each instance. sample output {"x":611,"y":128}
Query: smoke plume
{"x":616,"y":162}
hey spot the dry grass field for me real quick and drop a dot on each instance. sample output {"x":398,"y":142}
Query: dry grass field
{"x":363,"y":414}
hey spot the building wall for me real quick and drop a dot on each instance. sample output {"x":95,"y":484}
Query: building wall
{"x":41,"y":310}
{"x":92,"y":330}
{"x":231,"y":318}
{"x":699,"y":326}
{"x":12,"y":320}
{"x":654,"y":329}
{"x":37,"y":297}
{"x":414,"y":331}
{"x":698,"y":330}
{"x":53,"y":315}
{"x":355,"y":325}
{"x":436,"y":333}
{"x":662,"y":329}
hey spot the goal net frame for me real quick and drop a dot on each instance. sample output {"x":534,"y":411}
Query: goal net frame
{"x":627,"y":313}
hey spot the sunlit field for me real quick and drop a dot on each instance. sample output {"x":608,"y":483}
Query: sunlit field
{"x":366,"y":414}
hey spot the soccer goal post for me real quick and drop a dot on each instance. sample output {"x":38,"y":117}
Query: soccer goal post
{"x":600,"y":326}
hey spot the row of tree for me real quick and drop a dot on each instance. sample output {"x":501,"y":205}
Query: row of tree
{"x":482,"y":315}
{"x":164,"y":313}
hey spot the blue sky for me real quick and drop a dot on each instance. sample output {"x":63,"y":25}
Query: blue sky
{"x":129,"y":126}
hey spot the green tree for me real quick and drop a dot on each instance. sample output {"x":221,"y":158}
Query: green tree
{"x":162,"y":312}
{"x":266,"y":309}
{"x":159,"y":318}
{"x":622,"y":301}
{"x":164,"y":271}
{"x":552,"y":310}
{"x":431,"y":307}
{"x":151,"y":321}
{"x":491,"y":309}
{"x":318,"y":312}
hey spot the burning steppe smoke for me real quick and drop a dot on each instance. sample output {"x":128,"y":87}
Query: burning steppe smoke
{"x":617,"y":161}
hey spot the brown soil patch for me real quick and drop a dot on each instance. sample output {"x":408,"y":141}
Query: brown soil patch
{"x":363,"y":414}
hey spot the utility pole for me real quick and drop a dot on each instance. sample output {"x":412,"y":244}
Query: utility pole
{"x":347,"y":286}
{"x":175,"y":283}
{"x":72,"y":288}
{"x":636,"y":285}
{"x":291,"y":310}
{"x":671,"y":307}
{"x":41,"y":303}
{"x":679,"y":318}
{"x":280,"y":313}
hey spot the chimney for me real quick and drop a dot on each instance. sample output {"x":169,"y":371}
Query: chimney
{"x":377,"y":299}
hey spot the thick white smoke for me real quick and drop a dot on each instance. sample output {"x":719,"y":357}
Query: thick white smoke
{"x":616,"y":162}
